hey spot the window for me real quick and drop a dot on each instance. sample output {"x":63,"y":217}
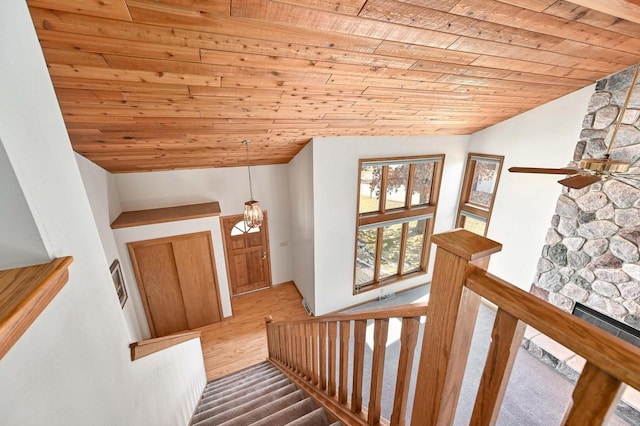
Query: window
{"x":240,"y":228}
{"x":397,"y":201}
{"x":479,"y":186}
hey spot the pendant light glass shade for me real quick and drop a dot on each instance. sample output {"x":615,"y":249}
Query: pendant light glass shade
{"x":253,"y":215}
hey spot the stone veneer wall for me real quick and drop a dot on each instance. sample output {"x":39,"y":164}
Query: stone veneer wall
{"x":591,"y":253}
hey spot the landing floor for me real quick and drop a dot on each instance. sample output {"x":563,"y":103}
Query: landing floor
{"x":240,"y":341}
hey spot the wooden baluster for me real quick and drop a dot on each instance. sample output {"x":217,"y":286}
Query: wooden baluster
{"x":345,"y":330}
{"x":322,"y":330}
{"x":314,"y":353}
{"x":267,"y":322}
{"x":290,"y":358}
{"x":408,"y":339}
{"x":450,"y":322}
{"x":283,"y":344}
{"x":380,"y":333}
{"x":274,"y":338}
{"x":595,"y":397}
{"x":298,"y":349}
{"x":274,"y":341}
{"x":307,"y":336}
{"x":506,"y":337}
{"x":303,"y":349}
{"x":333,"y":333}
{"x":359,"y":335}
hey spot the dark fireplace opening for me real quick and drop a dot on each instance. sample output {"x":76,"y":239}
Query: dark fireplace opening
{"x":608,"y":324}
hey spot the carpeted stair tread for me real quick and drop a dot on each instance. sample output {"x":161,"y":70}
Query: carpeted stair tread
{"x":221,"y":414}
{"x":245,"y":381}
{"x":238,"y":375}
{"x":315,"y":418}
{"x":272,"y":408}
{"x":241,"y":373}
{"x":215,"y":408}
{"x":260,"y":395}
{"x":289,"y":414}
{"x":243,"y":390}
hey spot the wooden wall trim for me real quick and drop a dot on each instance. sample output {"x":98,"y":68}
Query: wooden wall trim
{"x":166,"y":214}
{"x":24,"y":294}
{"x":147,"y":347}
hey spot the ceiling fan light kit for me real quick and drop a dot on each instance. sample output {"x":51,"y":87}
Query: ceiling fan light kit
{"x":592,"y":170}
{"x":604,"y":166}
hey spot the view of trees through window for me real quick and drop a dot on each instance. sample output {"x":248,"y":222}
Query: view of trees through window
{"x":395,"y":210}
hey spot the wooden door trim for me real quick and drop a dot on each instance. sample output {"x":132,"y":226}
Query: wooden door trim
{"x":136,"y":270}
{"x":226,"y":242}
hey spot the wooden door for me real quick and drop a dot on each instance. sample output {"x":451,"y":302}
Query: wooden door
{"x":177,"y":282}
{"x":247,"y":252}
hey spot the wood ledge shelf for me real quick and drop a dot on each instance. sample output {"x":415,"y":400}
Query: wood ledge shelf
{"x":166,"y":214}
{"x":147,"y":347}
{"x":24,"y":294}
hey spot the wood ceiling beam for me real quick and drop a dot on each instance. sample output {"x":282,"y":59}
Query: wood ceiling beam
{"x":625,"y":9}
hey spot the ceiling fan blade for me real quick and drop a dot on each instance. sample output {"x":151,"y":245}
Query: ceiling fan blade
{"x":579,"y":181}
{"x":546,"y":171}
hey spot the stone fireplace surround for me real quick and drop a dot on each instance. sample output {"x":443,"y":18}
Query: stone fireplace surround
{"x":591,"y":253}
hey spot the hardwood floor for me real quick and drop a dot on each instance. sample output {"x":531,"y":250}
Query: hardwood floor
{"x":240,"y":341}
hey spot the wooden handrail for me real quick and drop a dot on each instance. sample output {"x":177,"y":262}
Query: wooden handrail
{"x":609,"y":353}
{"x":24,"y":294}
{"x":408,"y":310}
{"x":147,"y":347}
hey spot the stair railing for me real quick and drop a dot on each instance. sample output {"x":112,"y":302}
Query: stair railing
{"x":316,"y":352}
{"x":460,"y":280}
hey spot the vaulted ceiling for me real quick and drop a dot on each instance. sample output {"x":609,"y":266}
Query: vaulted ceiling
{"x":172,"y":84}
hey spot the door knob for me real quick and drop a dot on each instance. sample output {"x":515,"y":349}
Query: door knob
{"x":264,"y":255}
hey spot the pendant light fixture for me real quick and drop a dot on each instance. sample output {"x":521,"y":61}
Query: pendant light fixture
{"x":253,"y":216}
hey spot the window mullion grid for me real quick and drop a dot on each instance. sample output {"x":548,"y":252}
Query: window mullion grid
{"x":403,"y":247}
{"x":376,"y":270}
{"x":469,"y":184}
{"x":383,"y":189}
{"x":476,"y":211}
{"x":412,"y":171}
{"x":426,"y":242}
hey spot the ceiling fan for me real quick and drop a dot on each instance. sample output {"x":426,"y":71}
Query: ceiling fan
{"x":592,"y":170}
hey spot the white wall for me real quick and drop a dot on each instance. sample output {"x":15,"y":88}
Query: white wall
{"x":524,"y":205}
{"x":230,"y":187}
{"x":302,"y":213}
{"x":20,"y":244}
{"x":335,"y":183}
{"x":72,"y":365}
{"x":105,"y":206}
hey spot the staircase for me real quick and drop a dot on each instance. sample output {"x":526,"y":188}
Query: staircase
{"x":259,"y":396}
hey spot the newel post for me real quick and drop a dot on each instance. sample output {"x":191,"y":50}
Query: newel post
{"x":451,"y":318}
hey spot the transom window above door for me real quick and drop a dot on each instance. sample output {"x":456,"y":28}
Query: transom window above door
{"x":397,"y":200}
{"x":241,"y":228}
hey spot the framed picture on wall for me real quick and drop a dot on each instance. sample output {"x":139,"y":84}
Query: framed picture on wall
{"x":118,"y":282}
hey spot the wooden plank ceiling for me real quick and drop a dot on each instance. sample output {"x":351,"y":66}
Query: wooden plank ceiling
{"x":171,"y":84}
